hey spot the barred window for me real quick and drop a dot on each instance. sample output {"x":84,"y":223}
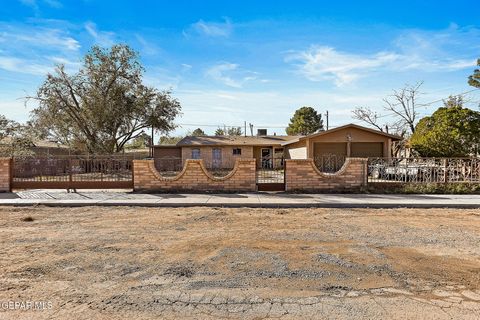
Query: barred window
{"x":237,"y":151}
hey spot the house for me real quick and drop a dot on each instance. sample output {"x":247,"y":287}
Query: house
{"x":39,"y":147}
{"x":270,"y":150}
{"x":350,"y":140}
{"x":222,"y":151}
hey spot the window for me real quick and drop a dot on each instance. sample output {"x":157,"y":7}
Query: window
{"x":237,"y":151}
{"x":195,"y":153}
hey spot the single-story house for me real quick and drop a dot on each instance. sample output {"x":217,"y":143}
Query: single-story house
{"x":270,"y":150}
{"x":40,"y":147}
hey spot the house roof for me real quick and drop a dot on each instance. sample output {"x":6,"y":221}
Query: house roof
{"x":234,"y":140}
{"x":38,"y":143}
{"x":164,"y":146}
{"x":350,"y":125}
{"x":48,"y":144}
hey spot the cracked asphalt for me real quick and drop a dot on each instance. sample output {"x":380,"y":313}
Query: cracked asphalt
{"x":220,"y":263}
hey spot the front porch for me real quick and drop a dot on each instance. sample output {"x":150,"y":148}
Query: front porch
{"x":269,"y":157}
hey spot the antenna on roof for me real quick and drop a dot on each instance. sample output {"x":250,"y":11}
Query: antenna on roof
{"x":251,"y":129}
{"x":245,"y":128}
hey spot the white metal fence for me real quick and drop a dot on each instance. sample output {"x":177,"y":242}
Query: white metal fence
{"x":424,"y":170}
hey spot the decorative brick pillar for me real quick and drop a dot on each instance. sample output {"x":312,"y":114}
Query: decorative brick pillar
{"x":5,"y":174}
{"x":303,"y":175}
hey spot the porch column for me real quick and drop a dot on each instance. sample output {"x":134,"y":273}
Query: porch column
{"x":309,"y":149}
{"x":389,"y":149}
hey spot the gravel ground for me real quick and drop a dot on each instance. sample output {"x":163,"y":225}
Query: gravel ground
{"x":217,"y":263}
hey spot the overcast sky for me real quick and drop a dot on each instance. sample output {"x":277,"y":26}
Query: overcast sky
{"x":254,"y":61}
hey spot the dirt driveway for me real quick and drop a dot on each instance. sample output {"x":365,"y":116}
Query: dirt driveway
{"x":215,"y":263}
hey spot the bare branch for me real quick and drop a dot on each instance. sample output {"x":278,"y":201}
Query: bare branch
{"x":368,"y":116}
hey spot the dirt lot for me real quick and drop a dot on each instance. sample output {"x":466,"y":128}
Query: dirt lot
{"x":213,"y":263}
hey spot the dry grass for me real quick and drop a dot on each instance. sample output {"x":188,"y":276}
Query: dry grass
{"x":142,"y":263}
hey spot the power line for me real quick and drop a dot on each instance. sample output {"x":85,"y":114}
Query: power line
{"x":430,"y":103}
{"x":223,"y":125}
{"x":424,"y":105}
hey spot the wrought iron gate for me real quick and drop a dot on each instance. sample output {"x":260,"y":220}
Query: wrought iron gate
{"x":270,"y":174}
{"x":73,"y":172}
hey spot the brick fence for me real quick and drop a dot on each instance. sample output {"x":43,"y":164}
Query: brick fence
{"x":303,"y":175}
{"x":194,"y":177}
{"x":5,"y":174}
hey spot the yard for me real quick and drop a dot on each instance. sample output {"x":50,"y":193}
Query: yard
{"x":211,"y":263}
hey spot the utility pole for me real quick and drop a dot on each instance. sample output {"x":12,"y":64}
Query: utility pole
{"x":326,"y":115}
{"x":251,"y":129}
{"x":245,"y":128}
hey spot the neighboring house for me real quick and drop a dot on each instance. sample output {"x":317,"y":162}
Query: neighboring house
{"x":221,"y":151}
{"x":41,"y":147}
{"x":49,"y":148}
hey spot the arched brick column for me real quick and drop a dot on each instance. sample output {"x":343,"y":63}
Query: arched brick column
{"x":303,"y":175}
{"x":194,"y":177}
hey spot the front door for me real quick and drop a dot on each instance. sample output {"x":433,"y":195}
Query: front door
{"x":216,"y":158}
{"x":267,"y":158}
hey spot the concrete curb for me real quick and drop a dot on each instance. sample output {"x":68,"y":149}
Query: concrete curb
{"x":242,"y":205}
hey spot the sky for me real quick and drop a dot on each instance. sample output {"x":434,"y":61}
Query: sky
{"x":256,"y":61}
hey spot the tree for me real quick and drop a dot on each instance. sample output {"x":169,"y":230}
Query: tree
{"x":198,"y":132}
{"x":141,"y":141}
{"x":234,"y":131}
{"x":401,"y":105}
{"x":231,"y":131}
{"x":474,"y":79}
{"x":368,"y":116}
{"x":451,"y":131}
{"x":305,"y":121}
{"x":219,"y":132}
{"x":169,"y":140}
{"x":15,"y":139}
{"x":104,"y":105}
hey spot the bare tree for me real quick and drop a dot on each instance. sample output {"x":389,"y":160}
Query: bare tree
{"x":402,"y":106}
{"x":368,"y":116}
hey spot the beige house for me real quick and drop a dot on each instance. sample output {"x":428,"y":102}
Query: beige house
{"x":350,"y":140}
{"x":221,"y":151}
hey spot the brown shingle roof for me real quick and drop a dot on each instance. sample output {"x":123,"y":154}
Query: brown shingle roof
{"x":234,"y":140}
{"x":350,"y":125}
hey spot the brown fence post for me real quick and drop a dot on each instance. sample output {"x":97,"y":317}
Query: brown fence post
{"x":70,"y":175}
{"x":365,"y":172}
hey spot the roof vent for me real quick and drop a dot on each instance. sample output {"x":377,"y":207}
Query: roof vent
{"x":261,"y":132}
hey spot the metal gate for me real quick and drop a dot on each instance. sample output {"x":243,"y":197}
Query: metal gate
{"x":270,"y":175}
{"x":73,"y":172}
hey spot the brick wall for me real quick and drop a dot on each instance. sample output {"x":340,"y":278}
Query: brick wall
{"x":303,"y":175}
{"x":5,"y":171}
{"x":194,"y":177}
